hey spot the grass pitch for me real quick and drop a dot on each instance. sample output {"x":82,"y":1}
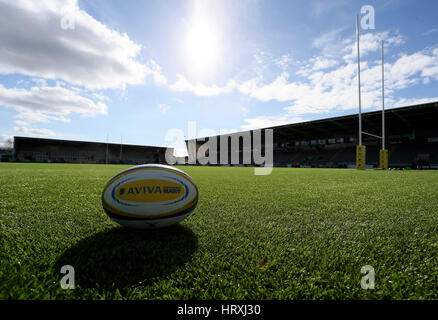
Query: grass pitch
{"x":295,"y":234}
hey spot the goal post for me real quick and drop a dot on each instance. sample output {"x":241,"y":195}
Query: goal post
{"x":383,"y":152}
{"x":360,"y":157}
{"x":383,"y":159}
{"x":360,"y":149}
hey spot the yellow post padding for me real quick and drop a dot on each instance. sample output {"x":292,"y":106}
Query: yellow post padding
{"x":383,"y":159}
{"x":360,"y":157}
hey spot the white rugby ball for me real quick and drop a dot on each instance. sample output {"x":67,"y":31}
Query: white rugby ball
{"x":150,"y":196}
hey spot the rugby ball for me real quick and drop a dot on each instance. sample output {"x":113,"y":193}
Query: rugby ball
{"x":150,"y":196}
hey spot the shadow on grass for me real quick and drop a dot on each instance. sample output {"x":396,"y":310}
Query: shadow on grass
{"x":124,"y":257}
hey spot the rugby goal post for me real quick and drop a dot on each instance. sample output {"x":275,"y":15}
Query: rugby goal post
{"x":360,"y":148}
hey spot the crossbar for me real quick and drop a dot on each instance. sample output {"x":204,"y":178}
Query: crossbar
{"x":372,"y":135}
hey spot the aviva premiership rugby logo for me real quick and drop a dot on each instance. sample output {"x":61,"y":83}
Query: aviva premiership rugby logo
{"x":148,"y":190}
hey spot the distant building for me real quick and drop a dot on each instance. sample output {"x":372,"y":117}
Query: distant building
{"x":54,"y":150}
{"x":5,"y":155}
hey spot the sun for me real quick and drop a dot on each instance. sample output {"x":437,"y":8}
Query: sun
{"x":202,"y":46}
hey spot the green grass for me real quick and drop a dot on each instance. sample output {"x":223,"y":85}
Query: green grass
{"x":295,"y":234}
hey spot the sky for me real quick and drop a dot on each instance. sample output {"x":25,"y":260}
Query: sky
{"x":136,"y":71}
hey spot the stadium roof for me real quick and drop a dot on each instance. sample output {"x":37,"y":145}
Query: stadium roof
{"x":397,"y":121}
{"x":73,"y":142}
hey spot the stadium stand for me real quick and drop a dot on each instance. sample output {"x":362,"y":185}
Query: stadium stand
{"x":5,"y":156}
{"x":411,"y":140}
{"x":54,"y":150}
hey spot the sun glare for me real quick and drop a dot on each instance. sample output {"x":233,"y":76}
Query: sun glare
{"x":202,"y":46}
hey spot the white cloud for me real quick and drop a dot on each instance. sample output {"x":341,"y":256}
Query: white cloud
{"x":321,"y":63}
{"x":28,"y":117}
{"x":100,"y":97}
{"x":330,"y":43}
{"x":34,"y":132}
{"x":316,"y":64}
{"x":163,"y":108}
{"x":371,"y":42}
{"x":5,"y":141}
{"x":403,"y":102}
{"x":337,"y":90}
{"x":40,"y":82}
{"x":90,"y":55}
{"x":284,"y":61}
{"x":329,"y":84}
{"x":264,"y":62}
{"x":21,"y":123}
{"x":227,"y":131}
{"x":325,"y":89}
{"x":269,"y":121}
{"x":323,"y":7}
{"x":156,"y":72}
{"x":409,"y":69}
{"x":199,"y":89}
{"x":280,"y":89}
{"x":43,"y":104}
{"x":430,"y":31}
